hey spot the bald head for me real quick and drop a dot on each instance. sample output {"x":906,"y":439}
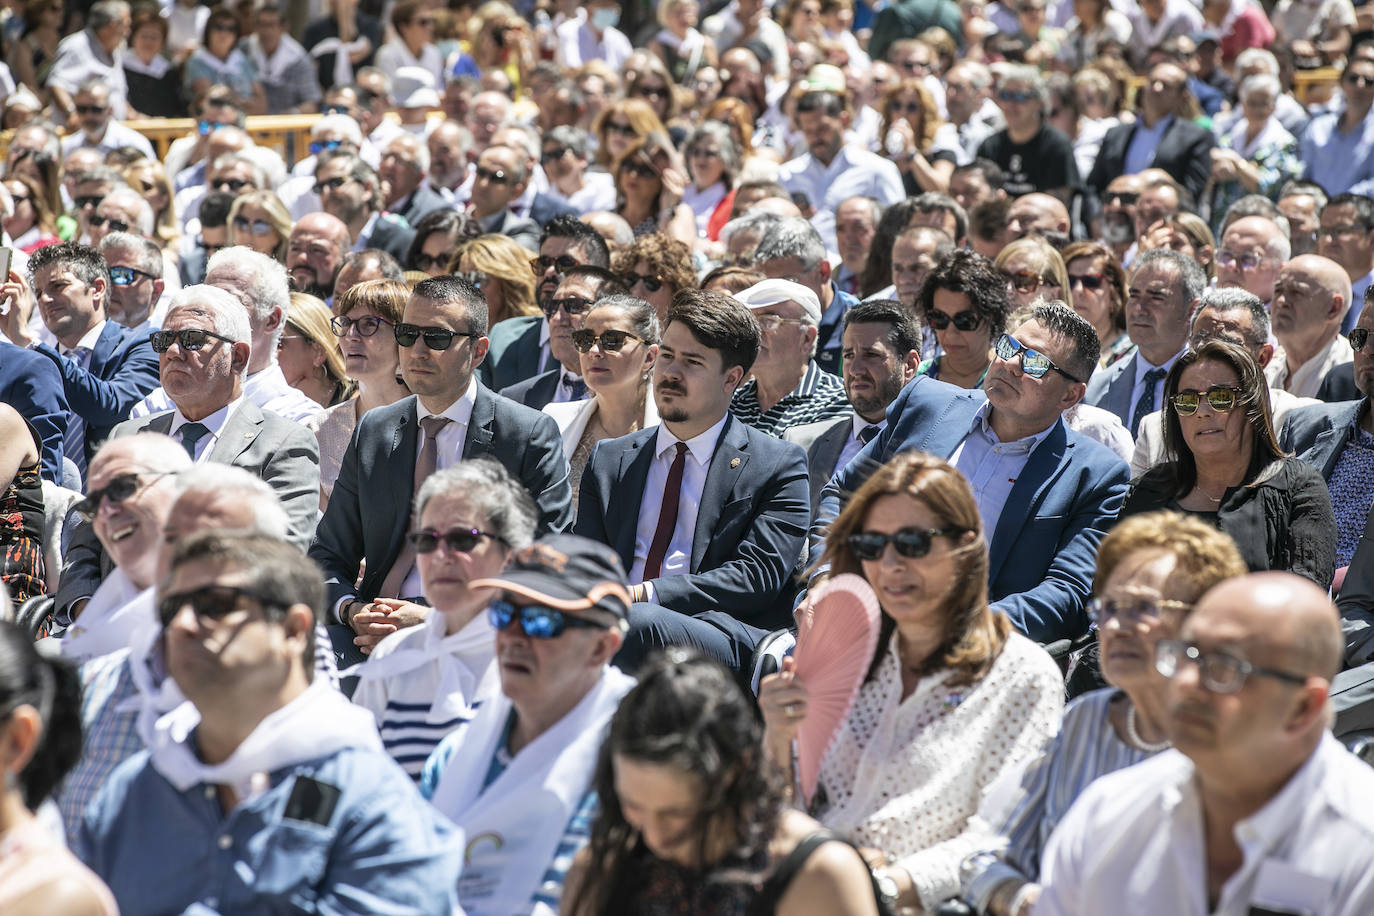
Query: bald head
{"x":315,"y":253}
{"x":1037,"y":213}
{"x":1281,"y":620}
{"x":1311,"y":296}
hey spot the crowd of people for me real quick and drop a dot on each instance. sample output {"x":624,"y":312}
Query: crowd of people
{"x":421,"y":518}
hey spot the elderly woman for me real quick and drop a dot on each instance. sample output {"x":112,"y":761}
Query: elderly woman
{"x":422,"y":682}
{"x":690,"y":822}
{"x":308,"y":353}
{"x":259,"y":220}
{"x":500,"y":268}
{"x":151,"y":78}
{"x":218,"y":62}
{"x":1097,"y":291}
{"x":620,"y":124}
{"x":412,"y":21}
{"x":654,"y":268}
{"x":925,"y":148}
{"x":649,"y":183}
{"x":1225,"y":466}
{"x":616,"y":345}
{"x":964,"y":302}
{"x":1151,"y":569}
{"x":1257,"y":155}
{"x":913,"y":762}
{"x":1031,"y":269}
{"x":713,"y":162}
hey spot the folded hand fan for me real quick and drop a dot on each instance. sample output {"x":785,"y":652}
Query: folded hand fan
{"x":835,"y":645}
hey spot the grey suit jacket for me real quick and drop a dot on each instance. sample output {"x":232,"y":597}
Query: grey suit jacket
{"x":823,"y":441}
{"x":1110,"y":389}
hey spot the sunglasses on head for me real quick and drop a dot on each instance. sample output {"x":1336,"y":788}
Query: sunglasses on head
{"x":435,"y":338}
{"x":1033,"y":363}
{"x":127,"y":276}
{"x":536,"y":620}
{"x":610,"y":341}
{"x":366,"y":326}
{"x":116,"y":491}
{"x":1358,"y":337}
{"x":963,"y":321}
{"x":459,"y":540}
{"x":212,"y":602}
{"x":1087,"y":281}
{"x":190,"y":339}
{"x":563,"y":263}
{"x":909,"y":542}
{"x":573,"y":305}
{"x":652,"y":283}
{"x":1220,"y":398}
{"x":258,"y":227}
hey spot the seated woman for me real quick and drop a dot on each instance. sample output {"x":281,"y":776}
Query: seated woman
{"x":1187,"y":233}
{"x":259,"y":220}
{"x":924,"y":147}
{"x":437,"y":235}
{"x":218,"y":62}
{"x":965,"y":302}
{"x":1225,"y":466}
{"x":954,"y":699}
{"x":693,"y":821}
{"x":1150,"y":571}
{"x":1097,"y":291}
{"x":1257,"y":155}
{"x":22,"y":568}
{"x":309,"y":355}
{"x":682,"y":49}
{"x":649,"y":182}
{"x":1032,"y":269}
{"x":32,"y":225}
{"x":654,"y":268}
{"x":149,"y":178}
{"x":713,"y":162}
{"x":499,"y":267}
{"x":616,"y":345}
{"x":620,"y":124}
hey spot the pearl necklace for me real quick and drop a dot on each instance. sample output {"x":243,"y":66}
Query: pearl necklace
{"x":1139,"y":741}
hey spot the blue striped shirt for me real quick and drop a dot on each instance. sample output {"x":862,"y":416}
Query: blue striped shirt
{"x":818,"y":396}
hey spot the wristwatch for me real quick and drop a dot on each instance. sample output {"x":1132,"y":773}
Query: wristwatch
{"x":887,"y":888}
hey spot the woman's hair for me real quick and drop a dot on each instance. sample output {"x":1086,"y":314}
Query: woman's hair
{"x":459,"y":227}
{"x":505,"y":261}
{"x":668,"y":259}
{"x":929,"y":120}
{"x":383,"y":298}
{"x":725,"y":142}
{"x":218,"y":16}
{"x":1046,"y":261}
{"x":642,"y":317}
{"x":1199,"y":235}
{"x":1254,"y":400}
{"x":310,"y":316}
{"x":485,"y":15}
{"x":1203,"y":556}
{"x":689,"y":716}
{"x":147,"y":16}
{"x":974,"y":634}
{"x":967,"y":272}
{"x":653,"y":66}
{"x":877,"y":272}
{"x":636,"y":111}
{"x":1105,"y":263}
{"x":50,"y":170}
{"x":277,"y":215}
{"x":167,"y":228}
{"x":51,"y":686}
{"x":45,"y":219}
{"x":734,"y":114}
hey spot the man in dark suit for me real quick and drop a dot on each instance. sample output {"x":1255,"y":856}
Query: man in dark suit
{"x":531,"y":203}
{"x":1047,"y":494}
{"x":451,"y":417}
{"x":499,"y":178}
{"x":350,"y":190}
{"x":1160,"y":138}
{"x":404,"y":165}
{"x":882,"y":351}
{"x":545,"y":207}
{"x":32,"y":386}
{"x":708,"y":515}
{"x":1164,"y":288}
{"x":581,"y":288}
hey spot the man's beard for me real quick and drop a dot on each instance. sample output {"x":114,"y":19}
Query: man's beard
{"x":1117,"y":228}
{"x":314,"y":287}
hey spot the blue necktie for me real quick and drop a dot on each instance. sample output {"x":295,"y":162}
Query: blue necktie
{"x":576,"y":386}
{"x":1146,"y":404}
{"x":74,"y":439}
{"x":192,"y":433}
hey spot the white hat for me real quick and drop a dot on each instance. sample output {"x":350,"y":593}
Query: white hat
{"x":771,"y":292}
{"x":413,"y":87}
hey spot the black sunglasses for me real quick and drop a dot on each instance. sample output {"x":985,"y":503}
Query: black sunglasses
{"x":427,"y":540}
{"x":435,"y":338}
{"x":495,"y":176}
{"x":426,"y":261}
{"x":610,"y":341}
{"x":116,"y":225}
{"x":909,"y":542}
{"x":116,"y":491}
{"x":233,"y":184}
{"x":191,"y":339}
{"x":536,"y":620}
{"x":563,"y":263}
{"x":651,"y":283}
{"x":642,"y":169}
{"x":573,"y":305}
{"x":963,"y":321}
{"x":1087,"y":281}
{"x":88,"y":201}
{"x":1358,"y":337}
{"x":213,"y":602}
{"x":549,"y":155}
{"x":1220,"y":398}
{"x":331,"y":184}
{"x":92,"y":109}
{"x":367,"y":325}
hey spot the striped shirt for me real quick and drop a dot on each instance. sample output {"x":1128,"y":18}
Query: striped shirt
{"x":109,"y":730}
{"x":819,"y":396}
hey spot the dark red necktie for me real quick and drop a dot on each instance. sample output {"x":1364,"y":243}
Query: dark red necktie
{"x":667,"y":515}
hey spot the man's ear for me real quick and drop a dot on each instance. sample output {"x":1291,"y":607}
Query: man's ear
{"x":734,"y":377}
{"x":824,"y":268}
{"x":273,"y":320}
{"x":243,"y":352}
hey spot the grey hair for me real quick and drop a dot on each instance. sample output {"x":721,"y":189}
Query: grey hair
{"x":228,"y":159}
{"x":341,"y":124}
{"x":146,"y":252}
{"x":574,"y":138}
{"x":729,"y":150}
{"x":791,"y":238}
{"x":979,"y":74}
{"x":506,"y":507}
{"x":1260,"y":57}
{"x":105,"y":12}
{"x":94,"y":84}
{"x":1030,"y":76}
{"x":421,"y":151}
{"x":643,"y":319}
{"x":1189,"y":272}
{"x":215,"y":479}
{"x":1297,"y":187}
{"x":226,"y":313}
{"x":143,"y":211}
{"x":1260,"y":81}
{"x":1234,"y":299}
{"x":875,"y":208}
{"x":259,"y":283}
{"x":1257,"y":205}
{"x":103,"y":174}
{"x":1058,"y":318}
{"x":51,"y":144}
{"x":530,"y":144}
{"x":158,"y":453}
{"x":762,"y":222}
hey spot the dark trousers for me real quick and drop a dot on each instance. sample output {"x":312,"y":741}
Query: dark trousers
{"x":715,"y":633}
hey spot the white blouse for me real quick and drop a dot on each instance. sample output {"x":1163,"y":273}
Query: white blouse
{"x":906,"y":776}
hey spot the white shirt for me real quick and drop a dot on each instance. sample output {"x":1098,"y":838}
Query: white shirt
{"x":854,"y":172}
{"x":394,"y":55}
{"x":1133,"y":843}
{"x":853,"y":444}
{"x":115,"y":136}
{"x":88,"y":340}
{"x":214,"y":422}
{"x":677,"y":561}
{"x":267,"y":389}
{"x":578,"y":44}
{"x":597,"y":193}
{"x":1306,"y":380}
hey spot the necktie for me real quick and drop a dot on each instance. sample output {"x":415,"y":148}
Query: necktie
{"x":867,"y":434}
{"x":667,"y":515}
{"x":1146,"y":404}
{"x":74,"y":439}
{"x":425,"y":462}
{"x":576,"y":387}
{"x":191,"y":434}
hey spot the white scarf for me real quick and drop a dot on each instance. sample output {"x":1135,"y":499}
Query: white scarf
{"x":157,"y":694}
{"x":516,"y":823}
{"x":274,"y":67}
{"x":466,"y":660}
{"x":317,"y":723}
{"x":157,"y":69}
{"x":343,"y":67}
{"x":228,"y":69}
{"x":1271,"y":133}
{"x":115,"y":611}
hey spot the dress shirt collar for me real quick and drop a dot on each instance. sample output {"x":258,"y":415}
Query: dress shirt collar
{"x":1142,"y":366}
{"x":982,"y":423}
{"x":702,"y":446}
{"x":460,"y":411}
{"x":214,"y":422}
{"x":365,"y":237}
{"x":87,"y":340}
{"x":860,"y":424}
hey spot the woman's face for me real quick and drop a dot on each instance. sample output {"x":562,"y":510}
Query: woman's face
{"x":1258,"y":105}
{"x":445,"y":572}
{"x":639,"y":180}
{"x":1141,"y":604}
{"x":369,"y":359}
{"x":659,"y":298}
{"x":1209,"y":433}
{"x":627,"y":367}
{"x":963,"y":347}
{"x":907,"y":106}
{"x":1089,"y":292}
{"x":146,"y":183}
{"x":653,"y":89}
{"x":223,"y":33}
{"x":682,"y":16}
{"x":1028,"y":281}
{"x":24,"y":213}
{"x":705,"y":163}
{"x":662,"y":803}
{"x":147,"y":41}
{"x":436,"y":252}
{"x":910,"y":589}
{"x":253,"y":227}
{"x":490,"y":286}
{"x":619,"y":133}
{"x":806,"y":17}
{"x":299,"y":357}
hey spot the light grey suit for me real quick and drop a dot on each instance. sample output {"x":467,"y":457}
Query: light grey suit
{"x":823,"y":441}
{"x":1111,"y":388}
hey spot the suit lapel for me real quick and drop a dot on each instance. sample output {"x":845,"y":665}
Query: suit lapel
{"x":1042,"y":468}
{"x":543,"y":392}
{"x":1119,"y":392}
{"x":727,"y":463}
{"x":949,"y":429}
{"x":238,"y":433}
{"x":477,"y":443}
{"x":1330,"y":441}
{"x":105,"y":346}
{"x":622,"y":515}
{"x":162,"y":423}
{"x":828,"y":448}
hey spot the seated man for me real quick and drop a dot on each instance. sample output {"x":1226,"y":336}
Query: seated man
{"x":265,"y":786}
{"x":707,"y":513}
{"x":1047,"y":494}
{"x":522,"y":770}
{"x":32,"y":385}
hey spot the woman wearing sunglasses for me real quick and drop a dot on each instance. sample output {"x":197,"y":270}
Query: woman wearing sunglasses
{"x":965,"y":302}
{"x":923,"y":146}
{"x":363,"y":322}
{"x":1031,"y":269}
{"x":1151,"y":569}
{"x":649,"y":183}
{"x":1097,"y":291}
{"x":1224,"y":465}
{"x":655,"y":267}
{"x":149,"y":178}
{"x":616,"y":348}
{"x":259,"y":220}
{"x":500,"y":267}
{"x":32,"y":225}
{"x":954,"y":698}
{"x":621,"y":123}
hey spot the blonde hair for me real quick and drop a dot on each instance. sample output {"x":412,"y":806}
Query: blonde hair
{"x":277,"y":215}
{"x":930,"y":115}
{"x":310,"y":316}
{"x":166,"y":226}
{"x":641,"y":117}
{"x":1203,"y":556}
{"x":506,"y":262}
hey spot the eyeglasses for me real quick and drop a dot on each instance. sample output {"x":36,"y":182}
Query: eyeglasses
{"x":1219,"y":672}
{"x":653,"y":92}
{"x":642,"y":169}
{"x":496,"y":176}
{"x":610,"y":341}
{"x":258,"y":227}
{"x":1331,"y":232}
{"x":208,"y":248}
{"x":907,"y":108}
{"x":213,"y":602}
{"x":1358,"y":337}
{"x":92,"y":109}
{"x":1220,"y":398}
{"x":770,"y":323}
{"x":192,"y":340}
{"x":537,"y":621}
{"x":19,"y":198}
{"x":459,"y":540}
{"x":233,"y":184}
{"x":963,"y":321}
{"x":1028,"y":281}
{"x":652,"y":283}
{"x":1012,"y":95}
{"x":426,"y":261}
{"x":617,"y":127}
{"x":1125,"y":198}
{"x":92,"y":201}
{"x":909,"y":542}
{"x":475,"y":277}
{"x":1033,"y":363}
{"x":320,"y":146}
{"x":563,"y":263}
{"x":1230,"y":259}
{"x":116,"y":491}
{"x":573,"y":305}
{"x":549,"y":155}
{"x":331,"y":184}
{"x":435,"y":338}
{"x":127,"y":276}
{"x":366,"y":326}
{"x":116,"y":225}
{"x":1136,"y":609}
{"x":1087,"y":281}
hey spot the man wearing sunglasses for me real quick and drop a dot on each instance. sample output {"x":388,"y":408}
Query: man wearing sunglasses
{"x":99,"y":129}
{"x":266,"y":785}
{"x":534,"y":202}
{"x":122,"y":210}
{"x":350,"y":191}
{"x":1046,"y":493}
{"x":1034,"y":155}
{"x":1265,"y":801}
{"x":560,"y":611}
{"x":499,"y":179}
{"x":1335,"y":149}
{"x":136,"y":284}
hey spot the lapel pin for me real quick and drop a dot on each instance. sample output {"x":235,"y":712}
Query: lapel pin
{"x":734,"y":462}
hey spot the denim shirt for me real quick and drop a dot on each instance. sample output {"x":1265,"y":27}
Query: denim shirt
{"x":375,"y":847}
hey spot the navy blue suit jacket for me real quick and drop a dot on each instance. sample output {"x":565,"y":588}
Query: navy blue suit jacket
{"x":514,"y":354}
{"x":33,"y":386}
{"x":536,"y":392}
{"x":369,"y":511}
{"x":750,"y":532}
{"x":1043,"y":553}
{"x":830,"y":332}
{"x":545,"y":208}
{"x":1318,"y":433}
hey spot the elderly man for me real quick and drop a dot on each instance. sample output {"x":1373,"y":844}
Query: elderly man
{"x":264,"y":770}
{"x":1039,"y":213}
{"x":1034,"y":155}
{"x":500,"y":178}
{"x":99,"y":129}
{"x":856,"y":221}
{"x":1116,"y":227}
{"x":350,"y":191}
{"x":1258,"y":809}
{"x":1164,"y":289}
{"x":93,"y":54}
{"x":315,"y":254}
{"x":404,"y":166}
{"x":1345,"y":234}
{"x":915,"y":252}
{"x":565,"y":155}
{"x":1251,"y":251}
{"x":523,"y":769}
{"x":448,"y":147}
{"x":122,"y":210}
{"x":136,"y":284}
{"x":532,"y":203}
{"x":1301,"y":203}
{"x":793,"y":250}
{"x":1311,"y":297}
{"x":788,"y":387}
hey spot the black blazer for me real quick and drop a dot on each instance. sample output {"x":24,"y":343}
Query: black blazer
{"x":1339,"y":385}
{"x":514,"y":354}
{"x":369,"y":511}
{"x":392,"y":235}
{"x":1184,"y":152}
{"x":823,"y":441}
{"x":750,"y":534}
{"x":535,"y":393}
{"x":422,"y":203}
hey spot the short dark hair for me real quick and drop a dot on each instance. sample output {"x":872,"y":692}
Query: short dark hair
{"x":1059,"y":319}
{"x":721,"y":323}
{"x":82,"y":260}
{"x":832,"y":104}
{"x":968,"y":272}
{"x":935,"y":202}
{"x":448,"y":288}
{"x":992,"y":172}
{"x":903,"y":333}
{"x":1231,"y":299}
{"x":1364,"y":207}
{"x":570,"y":227}
{"x":608,"y":284}
{"x":52,"y":687}
{"x":214,"y":209}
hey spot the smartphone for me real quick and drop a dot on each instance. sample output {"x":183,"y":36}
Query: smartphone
{"x":6,"y":257}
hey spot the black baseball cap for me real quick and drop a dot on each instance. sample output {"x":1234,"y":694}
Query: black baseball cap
{"x":568,"y":573}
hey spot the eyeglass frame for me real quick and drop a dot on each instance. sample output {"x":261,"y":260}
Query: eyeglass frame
{"x":1243,"y":669}
{"x":1021,"y":351}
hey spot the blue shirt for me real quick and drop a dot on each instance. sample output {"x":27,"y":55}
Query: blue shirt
{"x":379,"y":848}
{"x":992,"y":465}
{"x":1140,"y":155}
{"x":1341,"y":162}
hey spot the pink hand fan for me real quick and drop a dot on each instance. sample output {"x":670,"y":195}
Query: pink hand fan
{"x":835,"y":645}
